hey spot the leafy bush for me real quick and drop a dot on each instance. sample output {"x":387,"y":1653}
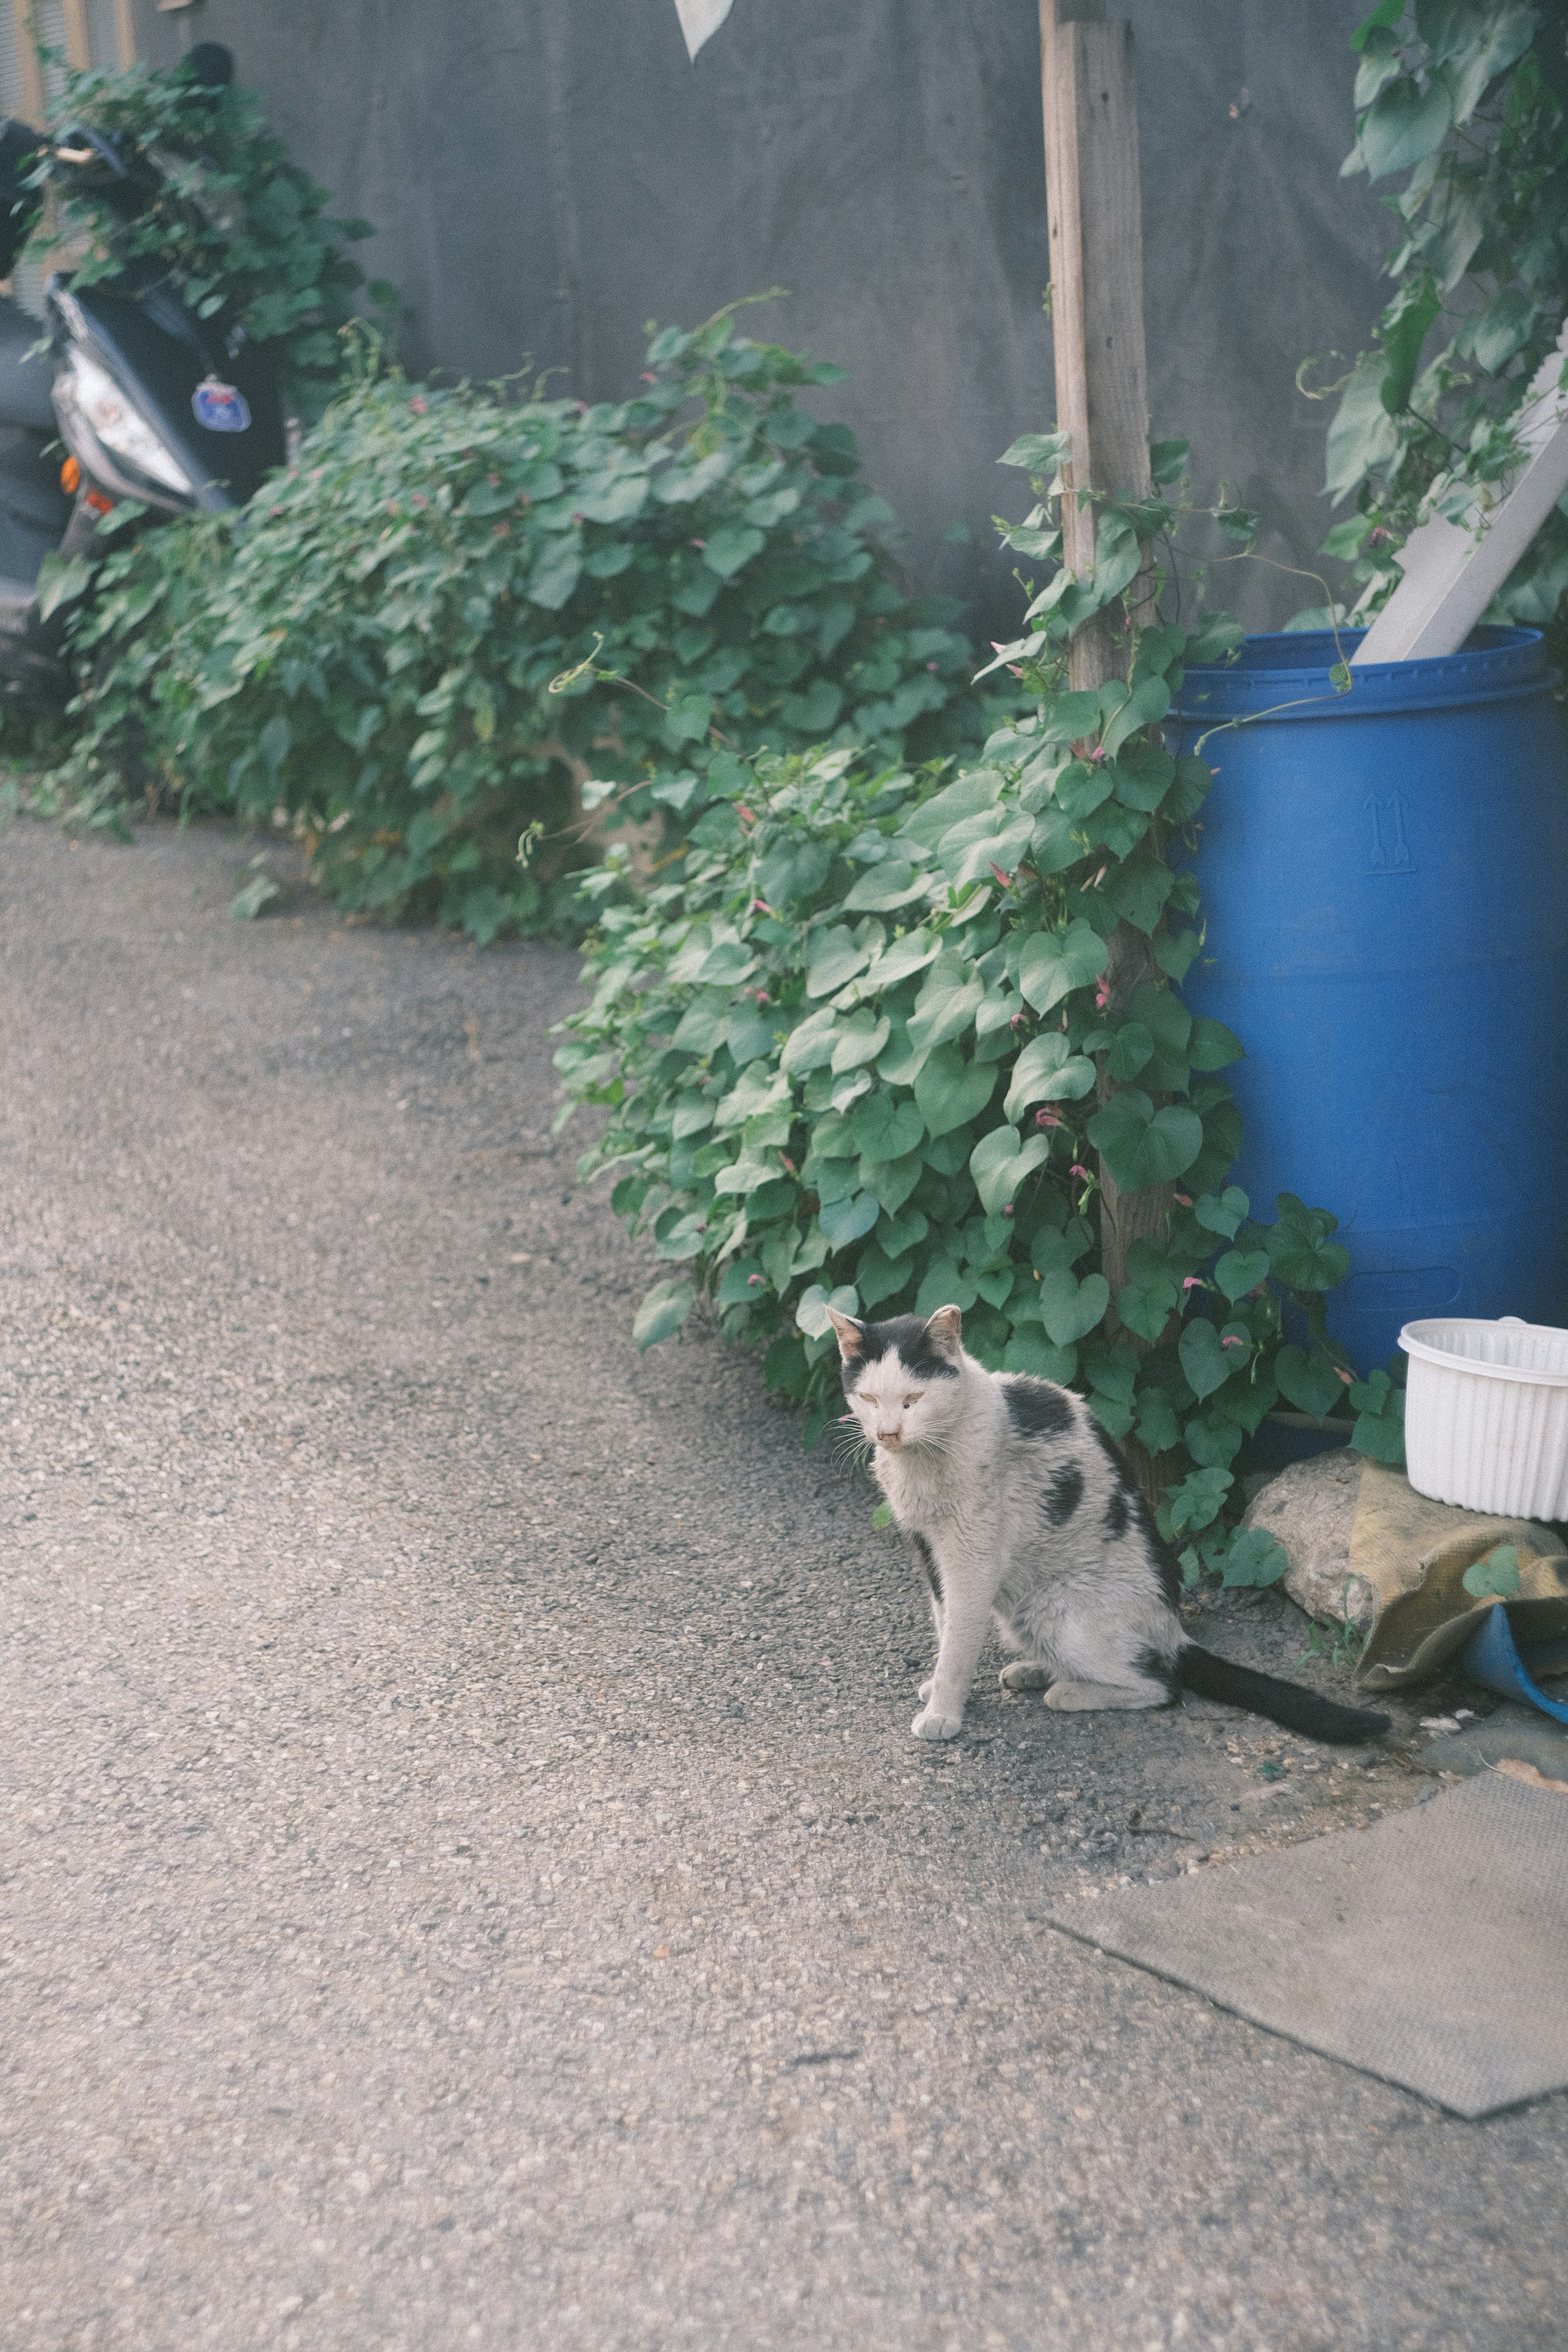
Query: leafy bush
{"x":468,"y":614}
{"x":1472,"y":103}
{"x":860,"y":1055}
{"x":243,"y":228}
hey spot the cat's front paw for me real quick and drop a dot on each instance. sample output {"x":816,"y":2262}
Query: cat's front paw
{"x":930,"y":1723}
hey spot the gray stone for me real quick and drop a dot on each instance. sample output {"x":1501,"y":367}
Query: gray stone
{"x":1310,"y":1509}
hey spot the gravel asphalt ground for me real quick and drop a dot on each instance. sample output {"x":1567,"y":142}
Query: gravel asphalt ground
{"x":468,"y":1876}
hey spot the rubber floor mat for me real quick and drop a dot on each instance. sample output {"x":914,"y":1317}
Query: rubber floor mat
{"x":1431,"y":1950}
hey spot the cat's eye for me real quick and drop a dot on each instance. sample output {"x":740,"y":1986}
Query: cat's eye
{"x":913,"y":1397}
{"x":866,"y":1397}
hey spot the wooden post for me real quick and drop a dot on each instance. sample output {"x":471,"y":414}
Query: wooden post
{"x":1089,"y":98}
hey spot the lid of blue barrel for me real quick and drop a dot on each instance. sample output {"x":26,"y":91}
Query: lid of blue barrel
{"x":1288,"y":676}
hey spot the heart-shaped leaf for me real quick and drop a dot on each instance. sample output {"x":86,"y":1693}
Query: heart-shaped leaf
{"x":1404,"y":124}
{"x":943,"y":1285}
{"x":1240,"y":1271}
{"x":1047,"y":1070}
{"x":1222,"y":1213}
{"x":860,"y":1039}
{"x":1144,"y":706}
{"x":1254,"y":1557}
{"x":1203,"y":1359}
{"x":1497,"y":1575}
{"x":884,"y":1128}
{"x":1148,"y":1300}
{"x":845,"y":1220}
{"x":1072,"y":1309}
{"x":811,"y":1309}
{"x":727,"y":964}
{"x":1197,"y":1500}
{"x":1056,"y":962}
{"x":892,"y":1180}
{"x":662,"y":1312}
{"x":949,"y":1090}
{"x":999,"y":1163}
{"x":1299,"y":1252}
{"x":743,"y":1280}
{"x":1309,"y":1382}
{"x":1083,"y":786}
{"x":1130,"y":1047}
{"x":809,"y":1046}
{"x":884,"y":886}
{"x":1158,"y":1428}
{"x":1142,"y":1146}
{"x":949,"y":1000}
{"x":835,"y":958}
{"x":1213,"y":1046}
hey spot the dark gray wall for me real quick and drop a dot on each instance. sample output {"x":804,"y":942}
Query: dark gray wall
{"x":546,"y":175}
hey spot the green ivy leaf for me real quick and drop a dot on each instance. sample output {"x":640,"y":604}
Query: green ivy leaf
{"x":845,"y":1220}
{"x":999,"y":1163}
{"x":882,"y":1128}
{"x":1072,"y":1309}
{"x":1224,"y":1213}
{"x":1404,"y":125}
{"x":731,"y":547}
{"x":1253,"y":1557}
{"x":1309,"y":1381}
{"x":1203,"y":1357}
{"x":949,"y":1000}
{"x":1142,"y":1146}
{"x":1497,"y":1575}
{"x":1047,"y":1071}
{"x":835,"y":959}
{"x":663,"y":1311}
{"x":1299,"y":1252}
{"x":948,"y":1091}
{"x":884,"y":888}
{"x":1149,"y":1297}
{"x":1198,"y":1500}
{"x":1240,"y":1271}
{"x":1054,"y":964}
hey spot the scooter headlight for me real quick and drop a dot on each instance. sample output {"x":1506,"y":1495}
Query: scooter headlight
{"x":119,"y":428}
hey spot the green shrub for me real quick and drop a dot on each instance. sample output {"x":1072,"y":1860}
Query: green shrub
{"x":468,"y":614}
{"x":1470,"y":106}
{"x":860,"y":1055}
{"x":241,"y":227}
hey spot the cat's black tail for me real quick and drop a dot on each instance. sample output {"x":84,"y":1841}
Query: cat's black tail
{"x":1298,"y":1710}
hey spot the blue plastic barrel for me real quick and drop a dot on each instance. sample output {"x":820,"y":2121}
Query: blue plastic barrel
{"x":1384,"y":880}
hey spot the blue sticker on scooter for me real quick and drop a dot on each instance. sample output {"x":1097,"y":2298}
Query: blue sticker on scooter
{"x":220,"y":407}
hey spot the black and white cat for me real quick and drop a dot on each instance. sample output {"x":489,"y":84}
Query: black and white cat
{"x":1021,"y":1509}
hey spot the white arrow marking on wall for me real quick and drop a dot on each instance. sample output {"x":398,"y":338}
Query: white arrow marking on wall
{"x":700,"y":20}
{"x":1453,"y":569}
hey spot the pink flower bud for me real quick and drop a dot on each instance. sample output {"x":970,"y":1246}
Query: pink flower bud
{"x":1193,"y":1282}
{"x":1185,"y":1198}
{"x":700,"y":543}
{"x":1078,"y":1171}
{"x":1048,"y":1118}
{"x":420,"y":407}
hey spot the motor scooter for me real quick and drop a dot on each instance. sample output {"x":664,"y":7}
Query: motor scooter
{"x":135,"y":397}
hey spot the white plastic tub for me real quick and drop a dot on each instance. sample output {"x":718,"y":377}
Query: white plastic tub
{"x":1485,"y":1415}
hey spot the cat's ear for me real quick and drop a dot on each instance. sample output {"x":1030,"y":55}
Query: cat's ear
{"x":851,"y":1335}
{"x":946,"y":1333}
